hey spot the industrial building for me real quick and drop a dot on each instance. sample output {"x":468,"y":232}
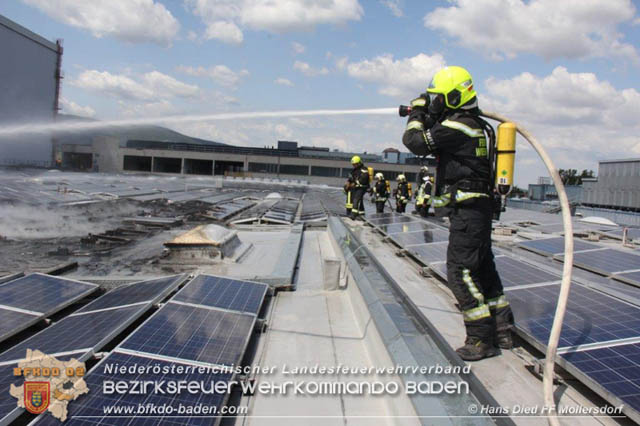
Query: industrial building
{"x":616,"y":187}
{"x":30,"y":85}
{"x":310,"y":164}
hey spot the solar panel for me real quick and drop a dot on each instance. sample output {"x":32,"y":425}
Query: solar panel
{"x":220,"y":292}
{"x":150,"y":290}
{"x":590,"y":316}
{"x":76,"y":332}
{"x":89,"y":409}
{"x":43,"y":293}
{"x":607,"y":261}
{"x":632,"y":278}
{"x":8,"y":402}
{"x":429,"y":253}
{"x":420,"y":237}
{"x":513,"y":272}
{"x":12,"y":321}
{"x":195,"y":334}
{"x":615,"y":369}
{"x":405,"y":227}
{"x":632,"y":233}
{"x":551,"y":246}
{"x":392,"y":219}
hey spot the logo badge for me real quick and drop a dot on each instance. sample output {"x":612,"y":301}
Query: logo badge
{"x":36,"y":396}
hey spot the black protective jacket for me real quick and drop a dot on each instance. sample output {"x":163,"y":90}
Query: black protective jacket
{"x":360,"y":177}
{"x":380,"y":190}
{"x":402,"y":192}
{"x":460,"y":145}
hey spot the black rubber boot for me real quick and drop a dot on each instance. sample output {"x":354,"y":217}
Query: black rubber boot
{"x":475,"y":349}
{"x":503,"y":339}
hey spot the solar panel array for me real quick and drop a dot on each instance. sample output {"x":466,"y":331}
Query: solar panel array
{"x":600,"y":338}
{"x":27,"y":300}
{"x":424,"y":241}
{"x":606,"y":261}
{"x":87,"y":330}
{"x":88,"y":409}
{"x":514,"y":273}
{"x":553,"y":246}
{"x":206,"y":324}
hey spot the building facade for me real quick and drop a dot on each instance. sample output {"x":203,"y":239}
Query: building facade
{"x":30,"y":86}
{"x":108,"y":156}
{"x":616,"y":187}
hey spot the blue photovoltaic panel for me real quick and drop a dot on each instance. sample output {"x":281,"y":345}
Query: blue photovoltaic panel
{"x":429,"y":253}
{"x":195,"y":334}
{"x":632,"y":233}
{"x":12,"y":322}
{"x":419,"y":237}
{"x":75,"y":332}
{"x":134,"y":293}
{"x":89,"y":409}
{"x":607,"y":261}
{"x":42,"y":293}
{"x":630,"y":277}
{"x":551,"y":246}
{"x":512,"y":272}
{"x":8,"y":402}
{"x":615,"y":368}
{"x":219,"y":292}
{"x":590,"y":317}
{"x":393,"y":228}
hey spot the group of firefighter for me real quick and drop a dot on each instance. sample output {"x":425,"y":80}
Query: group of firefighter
{"x":358,"y":184}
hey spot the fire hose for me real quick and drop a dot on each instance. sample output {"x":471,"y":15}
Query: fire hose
{"x":554,"y":337}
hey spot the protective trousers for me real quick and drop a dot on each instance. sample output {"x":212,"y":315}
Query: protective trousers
{"x":401,"y":206}
{"x":380,"y":206}
{"x":349,"y":203}
{"x":471,"y":271}
{"x":358,"y":201}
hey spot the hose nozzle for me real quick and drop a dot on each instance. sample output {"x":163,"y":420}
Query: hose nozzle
{"x":404,"y":110}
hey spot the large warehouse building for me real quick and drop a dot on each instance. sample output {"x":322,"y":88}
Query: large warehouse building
{"x":30,"y":86}
{"x":616,"y":187}
{"x":289,"y":161}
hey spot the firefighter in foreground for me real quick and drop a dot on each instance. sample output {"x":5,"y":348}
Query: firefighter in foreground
{"x":380,"y":192}
{"x":446,"y":122}
{"x":423,"y":199}
{"x":402,"y":193}
{"x":358,"y":185}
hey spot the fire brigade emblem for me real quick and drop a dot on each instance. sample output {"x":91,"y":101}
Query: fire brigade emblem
{"x":36,"y":396}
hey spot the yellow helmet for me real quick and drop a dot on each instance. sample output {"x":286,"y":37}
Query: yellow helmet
{"x":456,"y":86}
{"x":355,"y":160}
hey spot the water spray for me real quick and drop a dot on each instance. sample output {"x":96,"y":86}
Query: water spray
{"x":95,"y":125}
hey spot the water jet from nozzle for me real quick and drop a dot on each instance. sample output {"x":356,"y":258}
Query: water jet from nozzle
{"x":31,"y":128}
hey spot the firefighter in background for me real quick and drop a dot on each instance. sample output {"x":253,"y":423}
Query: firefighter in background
{"x":380,"y":192}
{"x":402,"y":194}
{"x":423,"y":199}
{"x":424,"y":171}
{"x":446,"y":122}
{"x":359,"y":184}
{"x":348,"y":190}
